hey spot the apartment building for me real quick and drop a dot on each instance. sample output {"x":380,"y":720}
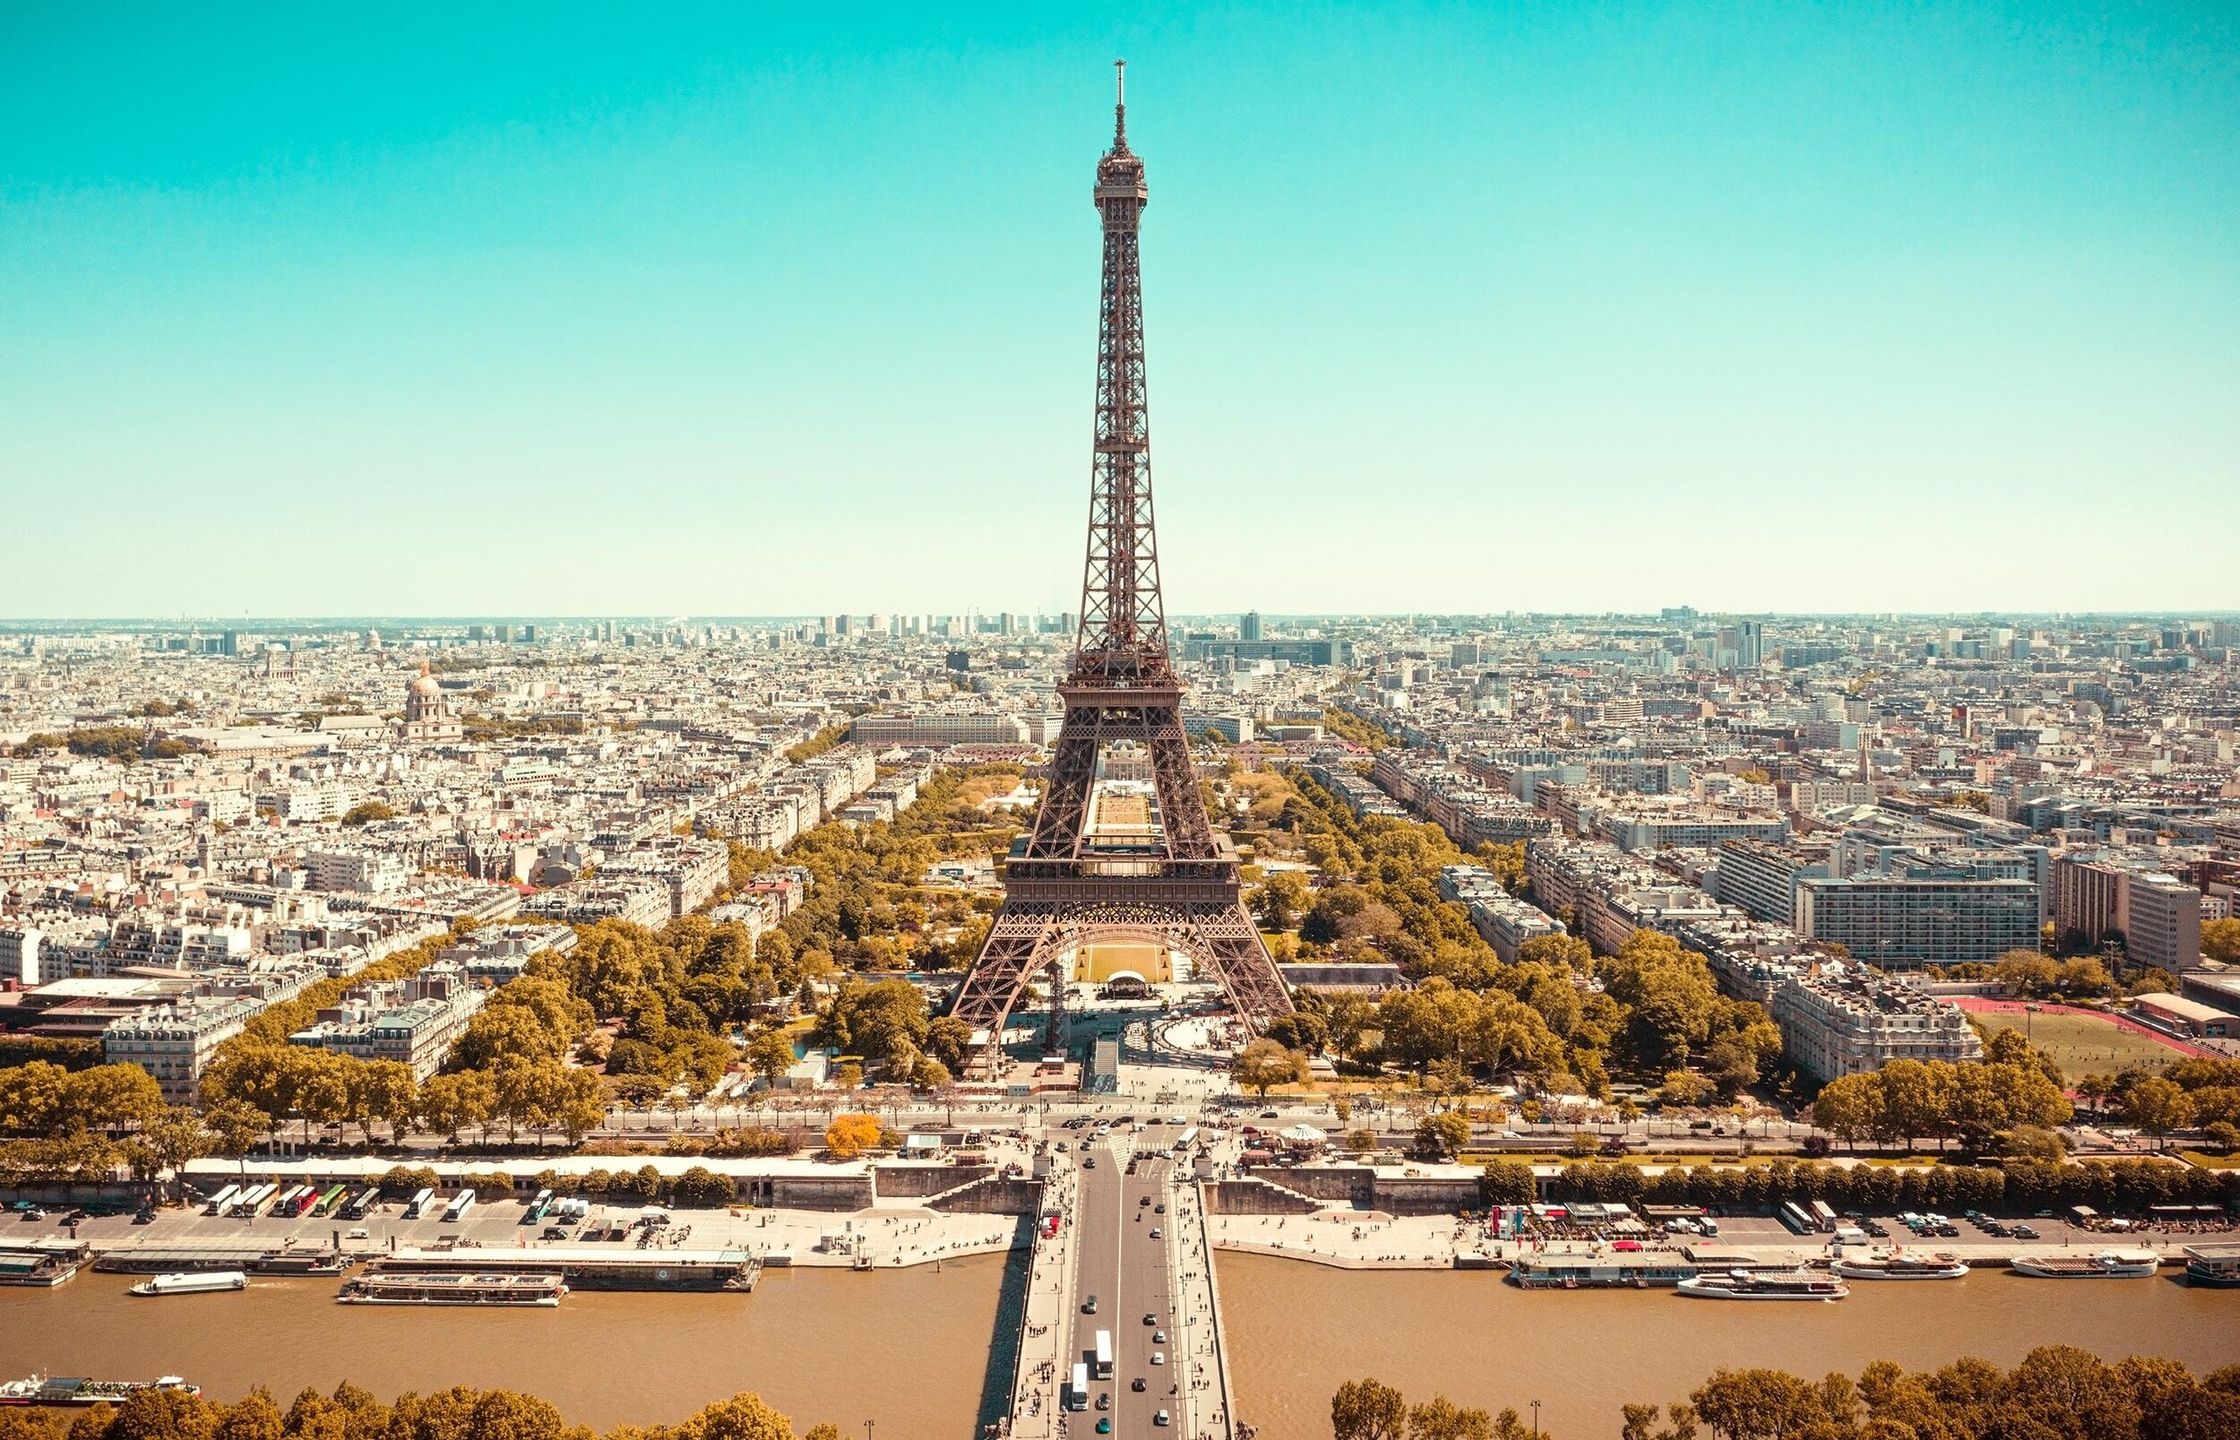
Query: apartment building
{"x":413,"y":1021}
{"x":1505,"y":921}
{"x":175,"y":1042}
{"x":937,"y":728}
{"x":1918,"y":916}
{"x":1761,"y":876}
{"x":1845,"y":1022}
{"x":369,"y":872}
{"x":2102,"y":894}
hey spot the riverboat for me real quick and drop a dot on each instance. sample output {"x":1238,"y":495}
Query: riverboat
{"x":1599,"y":1272}
{"x":2213,"y":1266}
{"x":2107,"y":1265}
{"x":1897,"y":1266}
{"x":506,"y":1289}
{"x":77,"y":1391}
{"x":192,"y":1282}
{"x":1765,"y":1285}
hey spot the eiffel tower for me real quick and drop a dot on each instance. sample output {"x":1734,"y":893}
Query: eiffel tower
{"x":1070,"y":885}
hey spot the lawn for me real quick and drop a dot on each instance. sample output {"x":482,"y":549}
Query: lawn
{"x":2082,"y":1044}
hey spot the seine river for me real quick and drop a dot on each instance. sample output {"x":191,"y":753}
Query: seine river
{"x":1296,"y":1330}
{"x":909,"y":1349}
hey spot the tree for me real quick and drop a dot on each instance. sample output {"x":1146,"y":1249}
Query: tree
{"x":1348,"y":1016}
{"x":1509,"y":1182}
{"x":1280,"y":900}
{"x":1368,"y":1410}
{"x":769,"y":1055}
{"x":2220,"y":941}
{"x":742,"y":1417}
{"x":1443,"y":1134}
{"x":235,"y":1127}
{"x":948,"y":1039}
{"x":173,"y":1138}
{"x":1756,"y":1404}
{"x":1441,"y":1419}
{"x":1684,"y":1089}
{"x":366,"y":812}
{"x":1731,"y":1064}
{"x":1303,"y":1030}
{"x":2026,"y":972}
{"x":383,"y":1090}
{"x":850,"y":1135}
{"x":2157,"y":1106}
{"x":1916,"y":1098}
{"x":451,"y":1103}
{"x":1264,"y":1064}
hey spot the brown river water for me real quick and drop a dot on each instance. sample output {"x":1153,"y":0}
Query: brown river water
{"x":1295,"y":1330}
{"x":909,"y":1349}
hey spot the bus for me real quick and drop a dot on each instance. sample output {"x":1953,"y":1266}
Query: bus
{"x":537,"y":1207}
{"x":246,"y":1203}
{"x":1797,"y":1218}
{"x":417,"y":1204}
{"x":460,"y":1204}
{"x":331,"y":1201}
{"x":286,"y":1198}
{"x":1185,"y":1140}
{"x":1077,"y":1394}
{"x":1104,"y":1354}
{"x":1823,"y":1216}
{"x":306,"y":1198}
{"x":356,"y":1206}
{"x":216,"y":1204}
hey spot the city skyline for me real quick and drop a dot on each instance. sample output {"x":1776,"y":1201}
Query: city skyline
{"x":682,"y":316}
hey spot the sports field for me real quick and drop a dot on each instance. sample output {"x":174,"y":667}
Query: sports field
{"x":2083,"y":1044}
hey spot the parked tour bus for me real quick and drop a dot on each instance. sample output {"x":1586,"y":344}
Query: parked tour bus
{"x":537,"y":1208}
{"x":460,"y":1204}
{"x":414,"y":1207}
{"x":216,"y":1204}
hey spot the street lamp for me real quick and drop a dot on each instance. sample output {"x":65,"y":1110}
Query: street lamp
{"x":1535,"y":1420}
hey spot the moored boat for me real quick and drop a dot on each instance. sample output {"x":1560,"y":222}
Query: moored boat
{"x":1599,"y":1272}
{"x":1765,"y":1285}
{"x":2106,"y":1265}
{"x":2216,"y":1266}
{"x":192,"y":1282}
{"x":505,"y":1289}
{"x":77,"y":1390}
{"x":1899,"y":1266}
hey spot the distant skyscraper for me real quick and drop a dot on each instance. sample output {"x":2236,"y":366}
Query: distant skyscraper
{"x":1249,"y":627}
{"x":1750,"y":644}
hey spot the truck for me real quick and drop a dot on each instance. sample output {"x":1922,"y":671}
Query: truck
{"x":1104,"y":1354}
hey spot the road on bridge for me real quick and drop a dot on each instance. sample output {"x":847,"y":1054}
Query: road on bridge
{"x":1130,"y":1274}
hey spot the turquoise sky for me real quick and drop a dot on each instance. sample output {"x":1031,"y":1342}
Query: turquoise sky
{"x":738,"y":309}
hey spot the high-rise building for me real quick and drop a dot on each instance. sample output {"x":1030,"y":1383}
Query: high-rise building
{"x":1249,"y":627}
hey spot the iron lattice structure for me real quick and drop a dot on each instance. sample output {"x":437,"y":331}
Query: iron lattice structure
{"x":1066,"y":887}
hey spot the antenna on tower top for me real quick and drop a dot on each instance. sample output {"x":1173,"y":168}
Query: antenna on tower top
{"x":1120,"y":103}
